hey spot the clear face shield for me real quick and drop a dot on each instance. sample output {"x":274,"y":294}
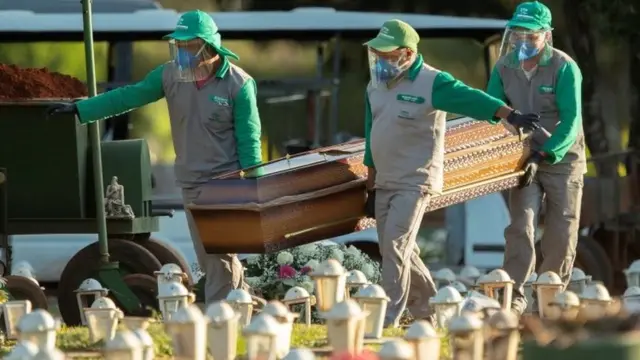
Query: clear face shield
{"x":519,"y":45}
{"x":192,"y":60}
{"x":386,"y":67}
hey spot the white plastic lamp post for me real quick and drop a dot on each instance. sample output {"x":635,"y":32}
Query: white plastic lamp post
{"x":444,"y":277}
{"x":222,"y":332}
{"x":396,"y":349}
{"x":125,"y":345}
{"x":345,"y":327}
{"x":479,"y":286}
{"x":424,"y":339}
{"x":23,"y":350}
{"x":13,"y":311}
{"x":595,"y":301}
{"x":300,"y":354}
{"x":139,"y":326}
{"x":631,"y":299}
{"x":498,"y":285}
{"x":355,"y":280}
{"x":373,"y":299}
{"x":102,"y":319}
{"x":170,"y":273}
{"x":242,"y":303}
{"x":49,"y":354}
{"x":546,"y":287}
{"x":446,"y":304}
{"x":505,"y":335}
{"x":188,"y":330}
{"x":88,"y":291}
{"x":261,"y":336}
{"x":578,"y":281}
{"x":24,"y":269}
{"x":466,"y":337}
{"x":285,"y":319}
{"x":633,"y":274}
{"x":330,"y":284}
{"x":299,"y":295}
{"x":38,"y":327}
{"x":565,"y":306}
{"x":171,"y":297}
{"x":528,"y":292}
{"x":469,"y":275}
{"x":461,"y":287}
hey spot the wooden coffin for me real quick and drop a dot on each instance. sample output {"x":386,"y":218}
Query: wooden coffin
{"x":321,"y":194}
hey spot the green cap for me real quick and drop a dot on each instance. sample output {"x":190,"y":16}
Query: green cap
{"x":198,"y":24}
{"x":532,"y":15}
{"x":395,"y":34}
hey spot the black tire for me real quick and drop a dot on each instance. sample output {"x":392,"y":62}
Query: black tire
{"x":601,"y":257}
{"x":590,"y":258}
{"x":22,"y":288}
{"x":167,"y":255}
{"x":146,"y":289}
{"x":133,"y":258}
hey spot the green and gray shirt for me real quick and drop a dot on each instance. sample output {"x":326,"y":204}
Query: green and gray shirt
{"x":553,"y":91}
{"x":405,"y":126}
{"x":215,"y":129}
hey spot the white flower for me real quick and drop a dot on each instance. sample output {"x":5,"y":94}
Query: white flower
{"x":253,"y":259}
{"x":336,"y":254}
{"x":353,"y":251}
{"x":368,"y":270}
{"x":308,"y":250}
{"x":307,"y":285}
{"x":253,"y":281}
{"x":312,"y":264}
{"x":284,"y":258}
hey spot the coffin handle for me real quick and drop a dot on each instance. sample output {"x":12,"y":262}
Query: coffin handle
{"x":319,"y":227}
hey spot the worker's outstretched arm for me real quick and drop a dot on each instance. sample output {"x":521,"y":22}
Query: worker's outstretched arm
{"x":123,"y":99}
{"x":368,"y":159}
{"x":247,"y":125}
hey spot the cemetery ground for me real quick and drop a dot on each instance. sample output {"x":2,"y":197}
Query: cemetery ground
{"x":74,"y":341}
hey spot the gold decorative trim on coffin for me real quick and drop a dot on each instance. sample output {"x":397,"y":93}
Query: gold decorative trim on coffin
{"x":320,"y":194}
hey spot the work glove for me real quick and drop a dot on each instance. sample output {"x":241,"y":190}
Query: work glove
{"x":531,"y":168}
{"x":524,"y":121}
{"x":370,"y":205}
{"x":62,"y":108}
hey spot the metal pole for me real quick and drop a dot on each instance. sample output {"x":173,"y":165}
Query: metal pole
{"x":317,"y":118}
{"x":335,"y":87}
{"x":94,"y":134}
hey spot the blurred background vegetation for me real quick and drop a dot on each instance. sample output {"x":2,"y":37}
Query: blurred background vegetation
{"x":608,"y":108}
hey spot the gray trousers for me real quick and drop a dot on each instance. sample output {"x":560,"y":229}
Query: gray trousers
{"x":563,"y":196}
{"x":405,"y":278}
{"x":223,"y":272}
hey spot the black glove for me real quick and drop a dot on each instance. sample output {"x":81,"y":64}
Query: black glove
{"x":62,"y":108}
{"x":524,"y":121}
{"x":370,"y":205}
{"x":531,"y":168}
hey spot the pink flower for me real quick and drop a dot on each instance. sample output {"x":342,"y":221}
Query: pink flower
{"x":364,"y":355}
{"x":286,"y":272}
{"x":305,"y":270}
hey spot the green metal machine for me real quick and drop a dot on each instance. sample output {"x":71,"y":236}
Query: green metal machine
{"x":52,"y":176}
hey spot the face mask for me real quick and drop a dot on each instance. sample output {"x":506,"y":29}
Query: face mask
{"x":185,"y":59}
{"x":387,"y":70}
{"x":526,"y":50}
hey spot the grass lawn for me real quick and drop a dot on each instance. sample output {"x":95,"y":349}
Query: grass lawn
{"x":76,"y":339}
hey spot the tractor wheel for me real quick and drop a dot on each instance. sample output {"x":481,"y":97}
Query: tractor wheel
{"x":166,"y":255}
{"x":146,"y":289}
{"x":590,"y":258}
{"x":133,"y":258}
{"x":22,"y":288}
